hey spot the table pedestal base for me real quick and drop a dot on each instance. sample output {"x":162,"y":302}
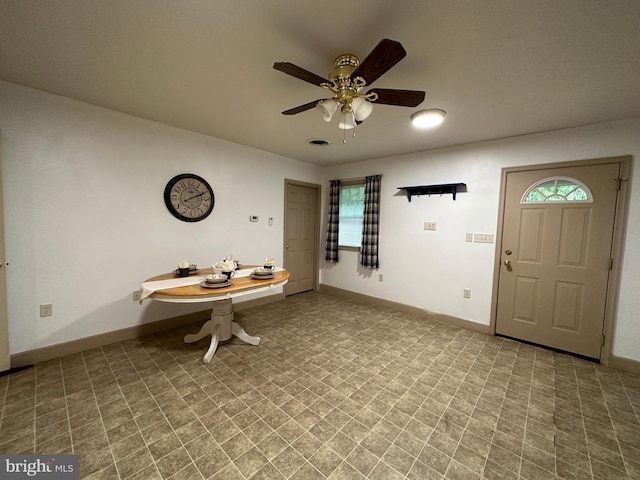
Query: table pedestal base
{"x":221,"y":327}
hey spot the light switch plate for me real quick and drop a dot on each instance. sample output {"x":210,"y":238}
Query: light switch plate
{"x":483,"y":238}
{"x":430,"y":226}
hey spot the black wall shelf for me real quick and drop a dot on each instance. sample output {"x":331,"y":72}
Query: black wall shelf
{"x":452,"y":188}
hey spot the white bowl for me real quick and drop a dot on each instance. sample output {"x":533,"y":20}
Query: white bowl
{"x":262,"y":271}
{"x":215,"y":279}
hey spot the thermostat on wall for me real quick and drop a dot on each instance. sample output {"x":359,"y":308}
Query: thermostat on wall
{"x":254,"y":218}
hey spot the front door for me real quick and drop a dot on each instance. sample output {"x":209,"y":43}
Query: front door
{"x":301,"y":236}
{"x":556,"y":256}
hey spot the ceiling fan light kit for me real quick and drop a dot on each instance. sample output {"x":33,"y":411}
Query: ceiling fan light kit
{"x":428,"y":118}
{"x":347,"y":121}
{"x":347,"y":80}
{"x":327,"y":108}
{"x":361,"y":108}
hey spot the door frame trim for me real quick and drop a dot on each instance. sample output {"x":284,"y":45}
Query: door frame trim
{"x":617,"y":244}
{"x":316,"y":237}
{"x":5,"y":350}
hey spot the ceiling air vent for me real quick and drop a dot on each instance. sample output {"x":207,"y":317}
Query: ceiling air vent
{"x":319,"y":142}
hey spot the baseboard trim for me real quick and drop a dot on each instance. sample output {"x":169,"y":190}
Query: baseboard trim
{"x":438,"y":317}
{"x":619,"y":363}
{"x":31,"y":357}
{"x":626,"y":364}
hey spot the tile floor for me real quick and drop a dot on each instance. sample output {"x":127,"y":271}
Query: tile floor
{"x":338,"y":389}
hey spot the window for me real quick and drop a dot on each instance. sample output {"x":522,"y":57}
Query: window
{"x":351,"y":213}
{"x":557,"y":189}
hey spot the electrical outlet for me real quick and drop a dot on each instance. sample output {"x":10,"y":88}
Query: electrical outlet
{"x":429,"y":225}
{"x":468,"y":237}
{"x":136,"y":296}
{"x":46,"y":309}
{"x":254,"y":218}
{"x":483,"y":238}
{"x":466,"y":293}
{"x":380,"y":277}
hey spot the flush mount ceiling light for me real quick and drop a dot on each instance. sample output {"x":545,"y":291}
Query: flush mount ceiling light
{"x":428,"y":118}
{"x":346,"y":82}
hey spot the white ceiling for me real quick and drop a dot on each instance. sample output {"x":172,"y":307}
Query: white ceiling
{"x":498,"y":67}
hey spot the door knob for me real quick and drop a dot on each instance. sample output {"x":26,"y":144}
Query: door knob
{"x":507,"y":263}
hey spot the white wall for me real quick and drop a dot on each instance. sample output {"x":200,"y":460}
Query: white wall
{"x":429,"y":270}
{"x":85,"y":220}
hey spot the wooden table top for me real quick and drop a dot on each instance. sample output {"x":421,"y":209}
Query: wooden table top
{"x":237,"y":284}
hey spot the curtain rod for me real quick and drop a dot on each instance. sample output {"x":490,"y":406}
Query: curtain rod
{"x":355,"y":178}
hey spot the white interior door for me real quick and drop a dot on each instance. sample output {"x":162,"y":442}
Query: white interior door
{"x":556,"y":257}
{"x":4,"y":321}
{"x":301,"y":237}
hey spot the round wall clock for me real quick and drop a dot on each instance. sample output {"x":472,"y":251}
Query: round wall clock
{"x":189,"y":197}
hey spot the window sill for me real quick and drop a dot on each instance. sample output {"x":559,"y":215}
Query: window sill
{"x":349,"y":249}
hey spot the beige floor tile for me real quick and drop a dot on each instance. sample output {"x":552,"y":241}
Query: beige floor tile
{"x":337,"y":389}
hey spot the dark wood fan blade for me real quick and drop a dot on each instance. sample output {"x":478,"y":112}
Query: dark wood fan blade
{"x":402,"y":98}
{"x":384,"y":56}
{"x":302,"y":108}
{"x":299,"y":72}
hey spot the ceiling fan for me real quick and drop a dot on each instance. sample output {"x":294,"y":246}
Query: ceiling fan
{"x":347,"y":80}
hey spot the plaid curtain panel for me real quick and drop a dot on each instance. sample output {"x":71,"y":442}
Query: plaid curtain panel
{"x":370,"y":222}
{"x":331,"y":251}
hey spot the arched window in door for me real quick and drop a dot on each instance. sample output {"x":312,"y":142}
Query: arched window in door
{"x":557,"y":189}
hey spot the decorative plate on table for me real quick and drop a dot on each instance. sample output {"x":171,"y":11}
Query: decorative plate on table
{"x":215,"y":285}
{"x":256,"y":276}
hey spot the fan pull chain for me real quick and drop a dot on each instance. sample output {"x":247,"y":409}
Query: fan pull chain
{"x":344,"y":135}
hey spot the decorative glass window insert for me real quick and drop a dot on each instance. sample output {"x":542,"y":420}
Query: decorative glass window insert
{"x":557,"y":189}
{"x":350,"y":215}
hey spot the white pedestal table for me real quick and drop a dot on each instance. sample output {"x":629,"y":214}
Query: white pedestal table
{"x":170,"y":288}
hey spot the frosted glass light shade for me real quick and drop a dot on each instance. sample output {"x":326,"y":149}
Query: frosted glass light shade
{"x":347,"y":121}
{"x":428,"y":118}
{"x":327,"y":108}
{"x":361,"y":108}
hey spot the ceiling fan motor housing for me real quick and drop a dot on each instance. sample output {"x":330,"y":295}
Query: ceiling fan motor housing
{"x":343,"y":85}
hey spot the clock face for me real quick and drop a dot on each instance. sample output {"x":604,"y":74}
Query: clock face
{"x":189,"y":197}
